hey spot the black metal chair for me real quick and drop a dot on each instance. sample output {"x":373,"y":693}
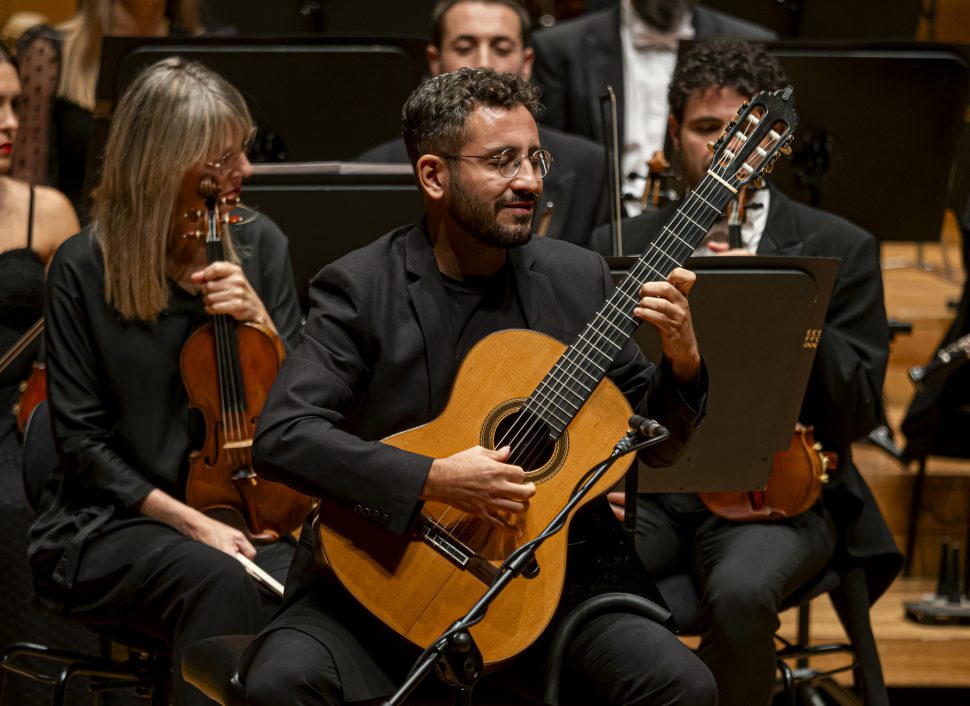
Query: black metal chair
{"x":212,"y":665}
{"x":146,"y":669}
{"x":803,"y":685}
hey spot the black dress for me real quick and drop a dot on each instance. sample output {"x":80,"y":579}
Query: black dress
{"x":53,"y":148}
{"x":21,"y":304}
{"x":123,"y":427}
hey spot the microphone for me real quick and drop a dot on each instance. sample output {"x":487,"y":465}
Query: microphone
{"x":647,"y":428}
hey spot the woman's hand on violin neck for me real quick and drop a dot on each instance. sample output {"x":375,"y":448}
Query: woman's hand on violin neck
{"x":225,"y":290}
{"x":161,"y":506}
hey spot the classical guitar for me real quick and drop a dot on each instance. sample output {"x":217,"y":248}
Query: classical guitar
{"x":552,"y":404}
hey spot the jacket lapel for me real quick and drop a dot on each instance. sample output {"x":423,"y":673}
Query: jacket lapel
{"x":430,"y":306}
{"x":780,"y":236}
{"x":539,"y":304}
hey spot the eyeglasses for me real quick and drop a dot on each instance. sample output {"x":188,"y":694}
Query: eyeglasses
{"x":231,"y":155}
{"x":508,"y":161}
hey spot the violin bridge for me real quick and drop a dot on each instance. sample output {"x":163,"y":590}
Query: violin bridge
{"x":241,"y":444}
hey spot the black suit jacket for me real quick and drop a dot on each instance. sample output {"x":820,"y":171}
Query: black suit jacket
{"x":843,"y":400}
{"x":576,"y":186}
{"x":377,"y":357}
{"x":576,"y":60}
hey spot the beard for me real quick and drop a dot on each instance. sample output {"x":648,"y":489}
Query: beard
{"x":480,"y":219}
{"x":663,"y":15}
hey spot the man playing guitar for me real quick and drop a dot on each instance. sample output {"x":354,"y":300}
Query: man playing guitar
{"x":388,"y":328}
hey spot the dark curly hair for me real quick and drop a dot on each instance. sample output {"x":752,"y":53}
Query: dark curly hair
{"x":743,"y":66}
{"x":434,"y":119}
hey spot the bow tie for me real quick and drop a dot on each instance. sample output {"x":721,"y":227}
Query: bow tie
{"x":646,"y":38}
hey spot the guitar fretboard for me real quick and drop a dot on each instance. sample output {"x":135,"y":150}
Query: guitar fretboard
{"x":571,"y":381}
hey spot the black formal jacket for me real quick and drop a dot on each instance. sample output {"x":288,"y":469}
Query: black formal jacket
{"x":576,"y":60}
{"x":844,"y":396}
{"x":576,"y":186}
{"x":120,"y":412}
{"x":377,"y":357}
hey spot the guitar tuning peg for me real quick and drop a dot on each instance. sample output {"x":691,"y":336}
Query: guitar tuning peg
{"x":759,"y":183}
{"x":193,"y":215}
{"x":712,"y":146}
{"x":785,"y":149}
{"x":196,"y":234}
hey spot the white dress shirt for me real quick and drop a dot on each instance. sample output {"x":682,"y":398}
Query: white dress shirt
{"x":753,"y":227}
{"x":649,"y":57}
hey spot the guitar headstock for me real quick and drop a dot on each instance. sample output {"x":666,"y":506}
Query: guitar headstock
{"x":762,"y":130}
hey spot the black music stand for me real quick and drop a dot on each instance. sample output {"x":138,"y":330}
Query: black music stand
{"x":829,"y":19}
{"x":328,"y":209}
{"x":371,"y":17}
{"x":313,"y":97}
{"x":757,"y":321}
{"x":878,"y":130}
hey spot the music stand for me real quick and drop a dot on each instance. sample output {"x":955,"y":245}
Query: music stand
{"x":370,"y":17}
{"x":322,"y":98}
{"x":328,"y":209}
{"x":757,"y":321}
{"x":829,"y":19}
{"x":877,"y":133}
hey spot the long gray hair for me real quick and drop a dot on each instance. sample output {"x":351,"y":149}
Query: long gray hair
{"x":176,"y":115}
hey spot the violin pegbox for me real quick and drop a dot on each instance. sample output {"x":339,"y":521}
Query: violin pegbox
{"x":762,"y":129}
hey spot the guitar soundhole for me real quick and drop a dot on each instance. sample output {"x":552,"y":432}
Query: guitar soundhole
{"x":532,"y":447}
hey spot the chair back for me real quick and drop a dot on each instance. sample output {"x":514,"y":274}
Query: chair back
{"x":40,"y":455}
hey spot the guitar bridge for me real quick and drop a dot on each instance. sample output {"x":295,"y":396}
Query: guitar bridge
{"x":457,"y":553}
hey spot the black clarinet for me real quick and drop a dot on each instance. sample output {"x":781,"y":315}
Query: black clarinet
{"x":946,"y":361}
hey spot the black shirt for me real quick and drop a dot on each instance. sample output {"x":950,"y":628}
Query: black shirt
{"x":479,"y":306}
{"x":119,"y":408}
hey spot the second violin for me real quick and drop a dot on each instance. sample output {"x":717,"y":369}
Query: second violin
{"x":228,"y":368}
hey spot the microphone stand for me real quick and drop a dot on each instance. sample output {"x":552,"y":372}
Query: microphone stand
{"x":454,"y":655}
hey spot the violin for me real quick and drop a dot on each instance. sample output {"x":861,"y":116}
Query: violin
{"x":228,"y":368}
{"x":658,"y":170}
{"x":794,"y":484}
{"x":735,"y":217}
{"x":33,"y":390}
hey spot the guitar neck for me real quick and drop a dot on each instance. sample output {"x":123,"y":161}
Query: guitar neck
{"x":576,"y":374}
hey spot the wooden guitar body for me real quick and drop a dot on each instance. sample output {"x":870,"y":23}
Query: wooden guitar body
{"x":420,"y":584}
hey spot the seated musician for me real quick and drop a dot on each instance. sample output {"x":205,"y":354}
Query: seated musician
{"x":496,"y":34}
{"x":388,"y":326}
{"x":744,"y":570}
{"x":115,"y":541}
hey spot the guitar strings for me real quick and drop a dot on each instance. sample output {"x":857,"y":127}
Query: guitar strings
{"x":544,"y":396}
{"x":635,"y":275}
